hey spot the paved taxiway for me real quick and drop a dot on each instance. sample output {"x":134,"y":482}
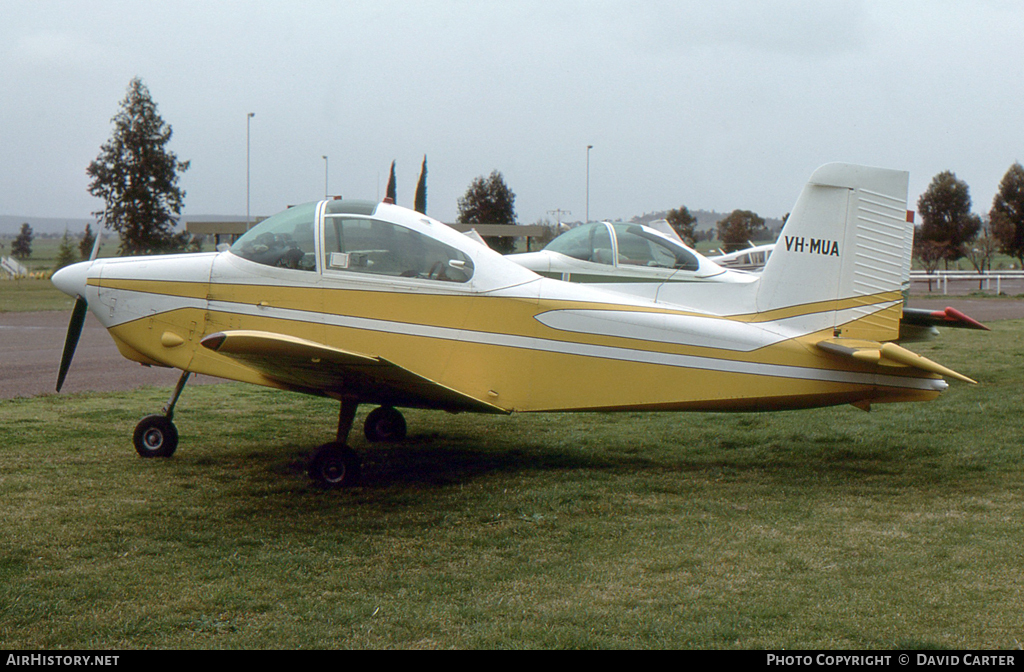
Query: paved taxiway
{"x":31,"y":345}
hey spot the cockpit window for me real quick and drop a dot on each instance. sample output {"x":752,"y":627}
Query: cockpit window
{"x":285,"y":240}
{"x":639,"y":247}
{"x":588,"y":242}
{"x":366,"y":245}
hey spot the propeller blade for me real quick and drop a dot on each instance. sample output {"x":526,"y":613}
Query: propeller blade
{"x":71,"y":342}
{"x":96,"y":245}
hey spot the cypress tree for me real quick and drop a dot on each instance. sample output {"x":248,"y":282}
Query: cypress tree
{"x":391,"y":192}
{"x":421,"y":189}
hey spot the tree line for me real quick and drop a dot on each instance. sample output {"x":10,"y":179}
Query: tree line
{"x":950,"y":231}
{"x":137,"y":178}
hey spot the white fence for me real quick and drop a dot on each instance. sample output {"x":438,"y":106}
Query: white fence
{"x":11,"y":266}
{"x":997,"y":281}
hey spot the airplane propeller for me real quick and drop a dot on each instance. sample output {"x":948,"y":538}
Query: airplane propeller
{"x":77,"y":322}
{"x":71,"y":341}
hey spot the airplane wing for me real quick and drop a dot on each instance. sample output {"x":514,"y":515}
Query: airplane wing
{"x":886,"y":354}
{"x":311,"y":366}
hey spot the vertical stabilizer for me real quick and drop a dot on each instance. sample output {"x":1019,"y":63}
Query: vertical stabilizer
{"x":845,"y":248}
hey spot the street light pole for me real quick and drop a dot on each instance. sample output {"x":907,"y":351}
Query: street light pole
{"x":589,"y":147}
{"x":558,"y":212}
{"x":248,"y":119}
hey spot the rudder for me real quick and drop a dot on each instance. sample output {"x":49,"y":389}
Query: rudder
{"x":845,"y":248}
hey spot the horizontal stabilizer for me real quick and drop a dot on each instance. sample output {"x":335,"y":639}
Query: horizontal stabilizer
{"x":886,"y":354}
{"x":950,"y":317}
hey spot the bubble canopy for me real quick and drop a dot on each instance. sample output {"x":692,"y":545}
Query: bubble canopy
{"x":285,"y":240}
{"x":353,"y":239}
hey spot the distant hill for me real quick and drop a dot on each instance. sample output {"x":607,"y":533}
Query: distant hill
{"x":10,"y":225}
{"x":53,"y":226}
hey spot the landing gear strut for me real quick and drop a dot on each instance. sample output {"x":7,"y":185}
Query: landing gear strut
{"x":156,"y":435}
{"x":334,"y":464}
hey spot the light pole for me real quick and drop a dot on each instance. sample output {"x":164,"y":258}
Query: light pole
{"x":589,"y":147}
{"x":248,"y":119}
{"x":558,"y":212}
{"x":326,"y":164}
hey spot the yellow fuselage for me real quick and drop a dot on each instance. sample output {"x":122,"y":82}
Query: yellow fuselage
{"x":527,"y":348}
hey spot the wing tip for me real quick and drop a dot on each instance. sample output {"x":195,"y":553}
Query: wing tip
{"x":954,"y":315}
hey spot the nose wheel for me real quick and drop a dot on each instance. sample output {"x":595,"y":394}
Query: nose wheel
{"x":156,"y":435}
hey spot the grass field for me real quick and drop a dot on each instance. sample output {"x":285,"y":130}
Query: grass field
{"x":833,"y":528}
{"x":45,"y":250}
{"x":28,"y":294}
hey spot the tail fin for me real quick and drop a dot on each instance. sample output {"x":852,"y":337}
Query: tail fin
{"x":845,"y":248}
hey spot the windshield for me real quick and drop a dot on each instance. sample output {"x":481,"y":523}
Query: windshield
{"x":365,"y":245}
{"x":588,"y":242}
{"x":284,"y":240}
{"x":640,"y":247}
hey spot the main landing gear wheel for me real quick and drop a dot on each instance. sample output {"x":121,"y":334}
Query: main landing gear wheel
{"x":155,"y":436}
{"x":384,"y":424}
{"x":335,"y":465}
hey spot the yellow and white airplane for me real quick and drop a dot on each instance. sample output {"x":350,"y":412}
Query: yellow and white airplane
{"x":371,"y":303}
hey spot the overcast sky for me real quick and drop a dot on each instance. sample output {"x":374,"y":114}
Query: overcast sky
{"x":712,"y":105}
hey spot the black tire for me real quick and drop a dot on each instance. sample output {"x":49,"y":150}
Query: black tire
{"x":335,"y":465}
{"x":155,"y":436}
{"x":384,"y":424}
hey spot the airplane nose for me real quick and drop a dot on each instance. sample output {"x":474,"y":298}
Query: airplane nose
{"x":72,"y":279}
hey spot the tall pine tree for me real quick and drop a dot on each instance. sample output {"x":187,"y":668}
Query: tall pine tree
{"x":21,"y":248}
{"x":66,"y":253}
{"x":137,"y":178}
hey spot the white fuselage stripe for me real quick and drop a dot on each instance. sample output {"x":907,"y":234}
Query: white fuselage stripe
{"x":556,"y":346}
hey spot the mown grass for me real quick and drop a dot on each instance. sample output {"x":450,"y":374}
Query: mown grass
{"x":28,"y":294}
{"x":829,"y":528}
{"x":46,"y":250}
